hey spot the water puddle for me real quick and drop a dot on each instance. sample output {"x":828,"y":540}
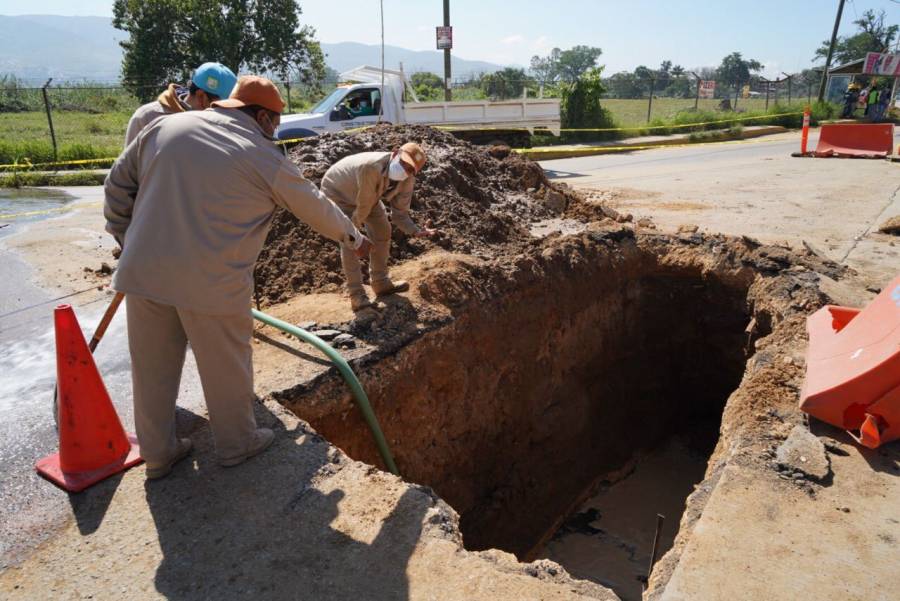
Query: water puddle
{"x":29,"y":204}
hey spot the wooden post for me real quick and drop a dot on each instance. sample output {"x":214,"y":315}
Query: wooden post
{"x":287,"y":88}
{"x":650,"y":103}
{"x":50,"y":119}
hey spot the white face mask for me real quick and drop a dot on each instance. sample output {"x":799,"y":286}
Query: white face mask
{"x":396,"y":171}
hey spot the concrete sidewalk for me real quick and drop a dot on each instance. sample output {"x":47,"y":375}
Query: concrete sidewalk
{"x":300,"y":521}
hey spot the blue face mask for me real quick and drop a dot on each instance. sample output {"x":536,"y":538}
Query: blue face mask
{"x":396,"y":171}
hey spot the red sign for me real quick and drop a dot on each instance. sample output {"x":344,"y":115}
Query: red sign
{"x":882,"y":64}
{"x":444,"y":38}
{"x":708,"y":88}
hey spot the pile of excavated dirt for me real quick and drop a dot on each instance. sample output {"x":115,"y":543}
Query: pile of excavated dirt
{"x":480,"y":199}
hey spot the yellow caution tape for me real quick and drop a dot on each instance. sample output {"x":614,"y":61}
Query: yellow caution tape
{"x":27,"y":165}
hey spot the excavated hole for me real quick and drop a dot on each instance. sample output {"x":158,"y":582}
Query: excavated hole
{"x":560,"y":418}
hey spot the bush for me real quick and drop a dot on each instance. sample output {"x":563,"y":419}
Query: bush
{"x":580,"y":107}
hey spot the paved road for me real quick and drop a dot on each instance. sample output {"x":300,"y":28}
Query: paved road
{"x":30,"y":508}
{"x":755,"y":188}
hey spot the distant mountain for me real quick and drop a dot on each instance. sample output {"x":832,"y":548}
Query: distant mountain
{"x":347,"y":55}
{"x":35,"y":47}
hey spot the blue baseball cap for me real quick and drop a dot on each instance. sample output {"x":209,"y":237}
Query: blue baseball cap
{"x":215,"y":79}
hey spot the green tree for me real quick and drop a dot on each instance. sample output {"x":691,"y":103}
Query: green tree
{"x":546,"y":69}
{"x":508,"y":83}
{"x":580,"y":103}
{"x":735,"y":70}
{"x":169,"y":38}
{"x":427,"y":85}
{"x":572,"y":63}
{"x":624,"y":85}
{"x":873,"y":36}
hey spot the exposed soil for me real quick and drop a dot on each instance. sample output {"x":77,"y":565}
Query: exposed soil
{"x":478,"y":198}
{"x":525,"y":370}
{"x":556,"y":365}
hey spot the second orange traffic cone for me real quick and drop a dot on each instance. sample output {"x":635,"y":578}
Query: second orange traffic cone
{"x":92,"y":443}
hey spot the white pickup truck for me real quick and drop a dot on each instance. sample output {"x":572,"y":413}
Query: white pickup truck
{"x":356,"y":105}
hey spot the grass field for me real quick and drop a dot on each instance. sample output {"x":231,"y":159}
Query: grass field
{"x":84,"y":135}
{"x":79,"y":135}
{"x":633,"y":113}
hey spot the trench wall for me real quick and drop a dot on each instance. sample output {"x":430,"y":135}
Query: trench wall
{"x":550,"y":375}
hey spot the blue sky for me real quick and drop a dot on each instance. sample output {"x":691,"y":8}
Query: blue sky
{"x":782,"y":34}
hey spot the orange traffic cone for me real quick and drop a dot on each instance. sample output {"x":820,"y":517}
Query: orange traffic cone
{"x":92,"y":443}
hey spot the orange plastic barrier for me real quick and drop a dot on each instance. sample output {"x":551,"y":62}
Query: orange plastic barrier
{"x":92,"y":443}
{"x":860,"y":140}
{"x":853,"y":367}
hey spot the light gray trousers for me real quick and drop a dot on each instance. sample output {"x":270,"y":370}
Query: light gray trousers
{"x":378,"y":230}
{"x":158,"y":335}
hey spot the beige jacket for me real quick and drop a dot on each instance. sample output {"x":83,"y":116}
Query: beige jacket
{"x":168,"y":103}
{"x":359,"y":181}
{"x":191,"y":201}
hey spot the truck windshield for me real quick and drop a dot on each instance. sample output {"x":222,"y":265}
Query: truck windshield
{"x":329,"y":101}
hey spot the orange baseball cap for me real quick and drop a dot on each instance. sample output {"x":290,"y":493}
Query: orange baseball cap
{"x":413,"y":155}
{"x":253,"y":90}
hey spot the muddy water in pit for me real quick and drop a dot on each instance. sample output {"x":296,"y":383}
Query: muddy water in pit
{"x":609,"y":538}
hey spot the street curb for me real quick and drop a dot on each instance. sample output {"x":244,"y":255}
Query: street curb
{"x":547,"y":153}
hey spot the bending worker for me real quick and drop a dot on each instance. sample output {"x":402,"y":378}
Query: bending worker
{"x":190,"y":201}
{"x":210,"y":82}
{"x":357,"y":184}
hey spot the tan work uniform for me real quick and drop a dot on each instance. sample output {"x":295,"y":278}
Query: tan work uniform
{"x":357,"y":184}
{"x":191,"y":201}
{"x":168,"y":103}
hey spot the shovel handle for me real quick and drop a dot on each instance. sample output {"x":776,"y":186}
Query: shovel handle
{"x":104,"y":322}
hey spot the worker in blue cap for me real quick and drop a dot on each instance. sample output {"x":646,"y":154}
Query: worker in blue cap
{"x":210,"y":82}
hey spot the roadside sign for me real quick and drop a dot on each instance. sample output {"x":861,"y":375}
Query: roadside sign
{"x":708,"y":88}
{"x":444,"y":38}
{"x":882,"y":64}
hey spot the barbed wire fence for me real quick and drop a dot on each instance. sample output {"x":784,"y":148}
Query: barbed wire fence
{"x":53,"y":122}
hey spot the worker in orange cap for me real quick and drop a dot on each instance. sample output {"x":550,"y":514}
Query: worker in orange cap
{"x":190,"y":201}
{"x":358,"y":184}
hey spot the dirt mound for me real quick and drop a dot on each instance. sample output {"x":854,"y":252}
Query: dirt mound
{"x":477,"y":198}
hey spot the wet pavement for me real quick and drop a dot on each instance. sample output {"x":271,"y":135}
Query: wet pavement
{"x":30,"y":507}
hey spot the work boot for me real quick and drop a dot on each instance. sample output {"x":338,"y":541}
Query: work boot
{"x":161,"y":470}
{"x":359,"y":301}
{"x":386,"y":287}
{"x":262,"y":438}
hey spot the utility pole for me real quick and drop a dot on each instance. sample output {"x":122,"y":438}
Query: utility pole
{"x":837,"y":24}
{"x":447,"y":94}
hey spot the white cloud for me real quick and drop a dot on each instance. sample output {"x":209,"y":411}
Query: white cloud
{"x":513,"y":39}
